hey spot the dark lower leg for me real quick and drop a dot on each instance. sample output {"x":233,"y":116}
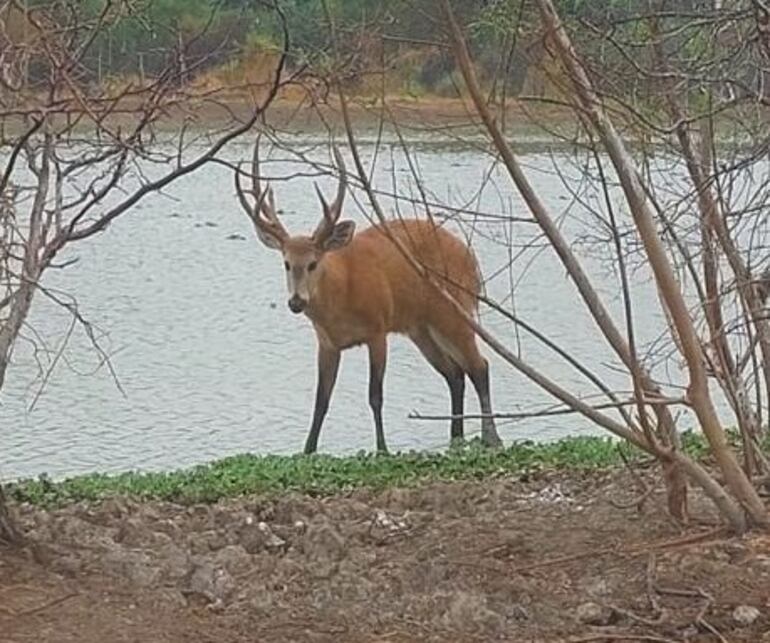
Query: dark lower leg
{"x":377,"y":358}
{"x":456,"y":382}
{"x":452,"y":374}
{"x":328,"y":365}
{"x":480,"y":378}
{"x":319,"y":413}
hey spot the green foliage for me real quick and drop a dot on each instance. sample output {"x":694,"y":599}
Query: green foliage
{"x":323,"y":474}
{"x":143,"y":37}
{"x":498,"y":18}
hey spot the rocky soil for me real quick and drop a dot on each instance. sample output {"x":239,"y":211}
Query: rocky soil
{"x":555,"y":558}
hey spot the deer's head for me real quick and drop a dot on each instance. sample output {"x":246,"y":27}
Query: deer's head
{"x":303,"y":255}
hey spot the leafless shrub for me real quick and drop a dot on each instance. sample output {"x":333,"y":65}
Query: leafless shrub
{"x":76,"y":156}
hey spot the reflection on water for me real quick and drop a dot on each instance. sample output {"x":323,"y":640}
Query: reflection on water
{"x":192,"y":311}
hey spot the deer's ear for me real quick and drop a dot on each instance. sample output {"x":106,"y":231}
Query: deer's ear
{"x":341,"y":235}
{"x":269,"y":238}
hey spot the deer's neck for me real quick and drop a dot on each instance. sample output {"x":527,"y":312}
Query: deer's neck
{"x":328,"y":308}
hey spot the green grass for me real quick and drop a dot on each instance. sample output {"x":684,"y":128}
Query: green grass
{"x":324,"y":474}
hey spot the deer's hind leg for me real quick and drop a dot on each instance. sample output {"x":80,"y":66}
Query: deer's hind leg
{"x":459,"y":342}
{"x":452,"y":374}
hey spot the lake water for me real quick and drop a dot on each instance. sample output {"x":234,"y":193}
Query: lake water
{"x":192,"y":311}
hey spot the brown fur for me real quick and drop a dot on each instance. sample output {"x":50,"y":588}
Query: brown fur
{"x":368,"y":288}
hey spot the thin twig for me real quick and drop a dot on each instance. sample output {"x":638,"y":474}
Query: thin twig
{"x":47,"y":605}
{"x":650,"y":580}
{"x":610,"y":635}
{"x":631,"y":550}
{"x":637,"y":502}
{"x":633,"y":616}
{"x":416,"y":415}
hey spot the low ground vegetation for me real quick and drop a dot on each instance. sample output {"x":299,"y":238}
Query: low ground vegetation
{"x":527,"y":553}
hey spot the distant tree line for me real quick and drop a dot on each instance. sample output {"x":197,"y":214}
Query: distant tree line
{"x":404,"y":34}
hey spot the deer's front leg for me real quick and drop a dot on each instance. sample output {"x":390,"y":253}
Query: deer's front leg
{"x":328,"y":365}
{"x":378,"y":352}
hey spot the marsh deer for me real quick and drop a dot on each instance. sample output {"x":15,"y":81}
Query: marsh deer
{"x":358,"y":288}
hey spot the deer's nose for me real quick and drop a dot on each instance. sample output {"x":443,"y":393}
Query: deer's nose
{"x":297,"y":304}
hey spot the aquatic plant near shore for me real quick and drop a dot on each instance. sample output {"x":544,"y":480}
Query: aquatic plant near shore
{"x":326,"y":474}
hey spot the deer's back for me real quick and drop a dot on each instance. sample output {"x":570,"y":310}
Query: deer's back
{"x":383,"y":287}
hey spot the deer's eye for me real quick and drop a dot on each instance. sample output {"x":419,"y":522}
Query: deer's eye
{"x":286,"y":265}
{"x":312,"y":266}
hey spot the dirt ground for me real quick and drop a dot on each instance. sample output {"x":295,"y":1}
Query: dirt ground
{"x":553,"y":557}
{"x":444,"y":116}
{"x":448,"y":117}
